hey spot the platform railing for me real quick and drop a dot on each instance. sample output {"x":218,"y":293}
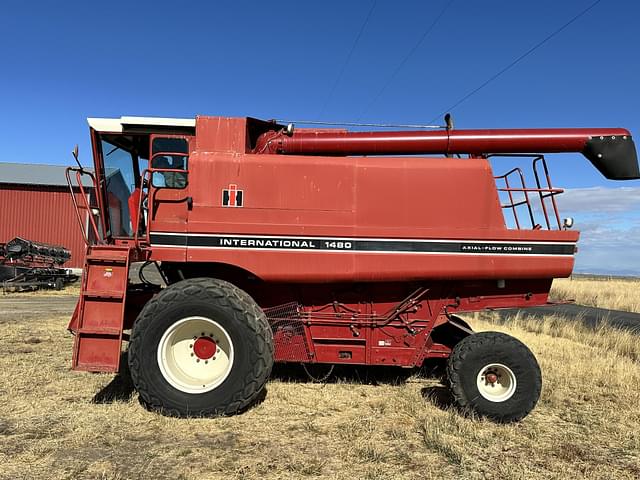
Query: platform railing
{"x":551,"y":192}
{"x":543,"y":192}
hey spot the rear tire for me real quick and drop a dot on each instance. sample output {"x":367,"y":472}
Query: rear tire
{"x":494,"y":375}
{"x":201,"y":347}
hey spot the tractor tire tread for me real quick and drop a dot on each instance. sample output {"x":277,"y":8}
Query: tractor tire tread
{"x":456,"y":364}
{"x":229,"y":296}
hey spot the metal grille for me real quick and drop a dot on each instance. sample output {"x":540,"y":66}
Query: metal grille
{"x":288,"y":329}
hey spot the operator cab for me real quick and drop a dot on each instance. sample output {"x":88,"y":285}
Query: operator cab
{"x":137,"y":159}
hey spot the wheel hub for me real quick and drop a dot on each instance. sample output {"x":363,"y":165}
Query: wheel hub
{"x":195,"y":354}
{"x":496,"y":382}
{"x":204,"y":348}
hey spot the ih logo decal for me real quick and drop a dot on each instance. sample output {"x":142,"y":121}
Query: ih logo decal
{"x":232,"y":197}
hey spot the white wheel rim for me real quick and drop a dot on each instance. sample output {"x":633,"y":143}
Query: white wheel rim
{"x":195,"y":355}
{"x":496,"y":382}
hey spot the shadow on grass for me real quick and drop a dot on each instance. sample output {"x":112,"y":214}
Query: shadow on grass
{"x":357,"y":374}
{"x":321,"y":373}
{"x":120,"y":389}
{"x":439,"y":395}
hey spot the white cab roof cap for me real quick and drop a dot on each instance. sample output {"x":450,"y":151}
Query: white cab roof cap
{"x":115,"y":124}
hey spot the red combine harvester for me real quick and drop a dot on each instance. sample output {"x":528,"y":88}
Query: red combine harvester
{"x":319,"y":246}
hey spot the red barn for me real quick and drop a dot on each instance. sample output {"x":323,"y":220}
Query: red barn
{"x":35,"y":203}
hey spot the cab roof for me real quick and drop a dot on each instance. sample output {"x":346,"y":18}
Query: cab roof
{"x":119,"y":125}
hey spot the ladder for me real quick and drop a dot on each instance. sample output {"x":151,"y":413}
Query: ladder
{"x":98,"y":319}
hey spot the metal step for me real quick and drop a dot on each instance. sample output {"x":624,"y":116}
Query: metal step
{"x":98,"y":340}
{"x":115,"y":332}
{"x":103,"y":294}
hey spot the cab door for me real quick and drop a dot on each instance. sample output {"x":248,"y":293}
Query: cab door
{"x":168,"y":199}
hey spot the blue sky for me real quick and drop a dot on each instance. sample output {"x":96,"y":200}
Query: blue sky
{"x":65,"y":61}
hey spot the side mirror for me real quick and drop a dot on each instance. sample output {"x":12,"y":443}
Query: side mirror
{"x":74,"y":152}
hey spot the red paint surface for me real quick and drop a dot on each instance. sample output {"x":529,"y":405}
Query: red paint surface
{"x":204,"y":348}
{"x":43,"y":214}
{"x":99,"y":318}
{"x":457,"y":141}
{"x":435,"y":198}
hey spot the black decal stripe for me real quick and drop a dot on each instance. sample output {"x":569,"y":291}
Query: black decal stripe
{"x":169,"y":240}
{"x":328,"y":244}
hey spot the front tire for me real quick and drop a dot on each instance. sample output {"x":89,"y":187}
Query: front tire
{"x":201,"y":347}
{"x":495,"y":376}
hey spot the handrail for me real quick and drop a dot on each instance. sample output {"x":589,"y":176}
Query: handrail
{"x":542,"y":197}
{"x":140,"y":213}
{"x":79,"y":173}
{"x":543,"y":192}
{"x":510,"y":189}
{"x":147,"y":174}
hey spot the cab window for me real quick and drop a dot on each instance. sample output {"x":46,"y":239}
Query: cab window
{"x":169,"y":162}
{"x":119,"y":175}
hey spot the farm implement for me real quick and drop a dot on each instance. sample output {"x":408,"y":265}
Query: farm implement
{"x":319,"y":246}
{"x":28,"y":265}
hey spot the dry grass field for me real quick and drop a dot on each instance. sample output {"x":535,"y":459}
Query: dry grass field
{"x":72,"y":289}
{"x":616,"y":293}
{"x":58,"y":424}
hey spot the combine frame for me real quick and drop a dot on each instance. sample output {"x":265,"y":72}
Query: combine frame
{"x":288,"y":245}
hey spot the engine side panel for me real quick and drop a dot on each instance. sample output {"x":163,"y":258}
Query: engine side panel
{"x":311,"y":219}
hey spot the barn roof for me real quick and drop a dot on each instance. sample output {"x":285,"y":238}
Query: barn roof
{"x":37,"y":174}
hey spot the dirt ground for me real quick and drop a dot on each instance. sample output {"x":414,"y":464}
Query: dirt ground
{"x":55,"y":423}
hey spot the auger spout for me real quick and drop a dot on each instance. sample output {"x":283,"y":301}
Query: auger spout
{"x":611,"y":150}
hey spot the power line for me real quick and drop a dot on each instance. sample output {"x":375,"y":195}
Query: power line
{"x":346,"y":62}
{"x":516,"y":61}
{"x":406,"y":58}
